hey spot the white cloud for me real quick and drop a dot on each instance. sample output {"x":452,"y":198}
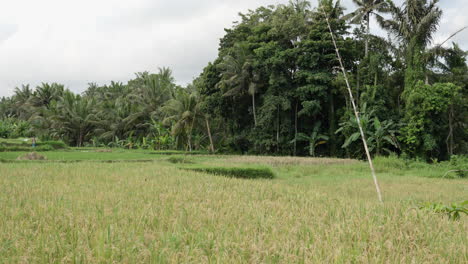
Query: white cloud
{"x":79,"y":41}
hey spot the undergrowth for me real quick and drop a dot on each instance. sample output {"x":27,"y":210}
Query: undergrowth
{"x":453,"y":211}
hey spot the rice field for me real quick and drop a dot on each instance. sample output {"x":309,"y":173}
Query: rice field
{"x":313,"y":211}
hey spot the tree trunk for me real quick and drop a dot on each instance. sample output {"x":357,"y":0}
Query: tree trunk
{"x":375,"y":79}
{"x":190,"y":142}
{"x":278,"y":130}
{"x":80,"y":139}
{"x":415,"y":68}
{"x":331,"y":123}
{"x":358,"y":88}
{"x":253,"y":109}
{"x":450,"y":141}
{"x":295,"y":129}
{"x":209,"y":135}
{"x":367,"y":34}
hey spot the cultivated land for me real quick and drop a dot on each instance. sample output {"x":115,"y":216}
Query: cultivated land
{"x":144,"y":208}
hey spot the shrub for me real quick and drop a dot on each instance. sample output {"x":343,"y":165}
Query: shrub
{"x":454,"y":211}
{"x":13,"y":128}
{"x":460,"y":165}
{"x":237,"y":172}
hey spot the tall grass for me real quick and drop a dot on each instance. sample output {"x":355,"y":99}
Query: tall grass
{"x":154,"y":212}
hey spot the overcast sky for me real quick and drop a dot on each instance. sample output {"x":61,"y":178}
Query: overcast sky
{"x":75,"y":42}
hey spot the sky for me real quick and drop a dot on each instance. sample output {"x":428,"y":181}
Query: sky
{"x":76,"y":42}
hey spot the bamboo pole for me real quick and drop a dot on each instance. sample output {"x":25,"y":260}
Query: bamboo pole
{"x":356,"y":113}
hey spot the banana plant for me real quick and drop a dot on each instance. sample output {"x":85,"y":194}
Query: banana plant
{"x":315,"y":139}
{"x":383,"y":133}
{"x":379,"y":134}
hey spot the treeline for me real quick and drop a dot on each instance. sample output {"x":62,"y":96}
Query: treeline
{"x":276,"y":88}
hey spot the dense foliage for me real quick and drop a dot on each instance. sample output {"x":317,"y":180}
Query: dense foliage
{"x":275,"y":89}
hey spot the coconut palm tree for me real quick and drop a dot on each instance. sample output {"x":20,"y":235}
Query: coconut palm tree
{"x":46,"y":93}
{"x":414,"y":23}
{"x":150,"y":92}
{"x":21,"y":101}
{"x":77,"y":119}
{"x":366,"y":8}
{"x":113,"y":124}
{"x":238,"y":76}
{"x":183,"y":114}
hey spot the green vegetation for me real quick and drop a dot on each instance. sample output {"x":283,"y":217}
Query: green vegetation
{"x":127,"y":173}
{"x":274,"y":90}
{"x":236,"y":172}
{"x":23,"y":144}
{"x":453,"y":211}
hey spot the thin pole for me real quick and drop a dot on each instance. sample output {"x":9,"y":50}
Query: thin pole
{"x":356,"y":113}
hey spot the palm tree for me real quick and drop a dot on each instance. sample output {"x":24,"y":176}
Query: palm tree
{"x":150,"y":92}
{"x":366,"y":8}
{"x":46,"y":93}
{"x":6,"y":107}
{"x":76,"y":120}
{"x":183,"y":113}
{"x":113,"y":124}
{"x":238,"y":76}
{"x":414,"y":23}
{"x":21,"y":101}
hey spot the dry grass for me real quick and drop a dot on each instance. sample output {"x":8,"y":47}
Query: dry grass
{"x":103,"y":150}
{"x":32,"y":156}
{"x":140,"y":213}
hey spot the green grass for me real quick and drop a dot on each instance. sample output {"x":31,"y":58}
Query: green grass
{"x":250,"y":172}
{"x":313,"y":211}
{"x":80,"y":154}
{"x":88,"y":154}
{"x":24,"y":144}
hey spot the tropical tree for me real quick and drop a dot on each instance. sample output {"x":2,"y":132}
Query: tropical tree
{"x":414,"y":24}
{"x":150,"y":92}
{"x":380,"y":135}
{"x":315,"y":139}
{"x":76,"y":119}
{"x":238,"y":76}
{"x":183,"y":114}
{"x":383,"y":134}
{"x":46,"y":93}
{"x":113,"y":123}
{"x":20,"y":100}
{"x":366,"y":8}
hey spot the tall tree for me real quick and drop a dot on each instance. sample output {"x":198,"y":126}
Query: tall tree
{"x":366,"y":8}
{"x":414,"y":23}
{"x":183,"y":114}
{"x":238,"y":76}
